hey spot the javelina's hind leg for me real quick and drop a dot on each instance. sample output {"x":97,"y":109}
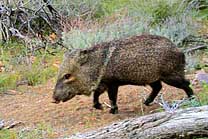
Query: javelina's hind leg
{"x":112,"y":94}
{"x":179,"y":82}
{"x":156,"y":87}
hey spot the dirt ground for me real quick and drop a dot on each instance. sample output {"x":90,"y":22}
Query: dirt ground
{"x":32,"y":106}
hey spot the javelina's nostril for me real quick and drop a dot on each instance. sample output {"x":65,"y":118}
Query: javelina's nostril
{"x":55,"y":100}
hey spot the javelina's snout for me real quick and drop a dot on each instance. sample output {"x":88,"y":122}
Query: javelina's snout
{"x":61,"y":95}
{"x":55,"y":98}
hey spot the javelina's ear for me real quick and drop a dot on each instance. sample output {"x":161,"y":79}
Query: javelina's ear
{"x":83,"y":56}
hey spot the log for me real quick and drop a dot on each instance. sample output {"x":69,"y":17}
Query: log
{"x":181,"y":124}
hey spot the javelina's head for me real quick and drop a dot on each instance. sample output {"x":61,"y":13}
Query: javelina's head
{"x":71,"y":80}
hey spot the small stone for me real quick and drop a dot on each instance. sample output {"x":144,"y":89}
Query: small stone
{"x":202,"y":77}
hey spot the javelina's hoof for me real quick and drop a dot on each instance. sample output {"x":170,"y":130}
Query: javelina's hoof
{"x":98,"y":106}
{"x":147,"y":102}
{"x":193,"y":97}
{"x":114,"y":110}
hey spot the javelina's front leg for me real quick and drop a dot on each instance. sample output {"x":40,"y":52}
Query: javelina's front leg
{"x":96,"y":104}
{"x":112,"y":94}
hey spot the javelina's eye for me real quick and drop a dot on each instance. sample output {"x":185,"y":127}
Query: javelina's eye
{"x":67,"y":76}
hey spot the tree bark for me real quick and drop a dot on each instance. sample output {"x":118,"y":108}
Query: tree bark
{"x":182,"y":124}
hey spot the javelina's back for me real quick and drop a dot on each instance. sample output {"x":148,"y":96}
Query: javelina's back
{"x":144,"y":59}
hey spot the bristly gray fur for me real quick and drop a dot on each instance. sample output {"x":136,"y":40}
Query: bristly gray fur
{"x":137,"y":60}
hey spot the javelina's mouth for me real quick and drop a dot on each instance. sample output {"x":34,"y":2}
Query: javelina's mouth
{"x":56,"y":101}
{"x":64,"y":98}
{"x":68,"y":98}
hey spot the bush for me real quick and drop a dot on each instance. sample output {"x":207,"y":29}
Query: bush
{"x":21,"y":68}
{"x":86,"y":38}
{"x":8,"y":81}
{"x":39,"y":70}
{"x":203,"y":95}
{"x":78,"y":8}
{"x":37,"y":74}
{"x":7,"y":134}
{"x":176,"y":28}
{"x":109,"y":7}
{"x":42,"y":131}
{"x":173,"y":20}
{"x":202,"y":9}
{"x":89,"y":9}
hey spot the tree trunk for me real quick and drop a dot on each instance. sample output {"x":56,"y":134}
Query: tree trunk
{"x":182,"y":124}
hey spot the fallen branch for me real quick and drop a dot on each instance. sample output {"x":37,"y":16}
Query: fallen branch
{"x":196,"y":48}
{"x":187,"y":123}
{"x":9,"y":124}
{"x":13,"y":124}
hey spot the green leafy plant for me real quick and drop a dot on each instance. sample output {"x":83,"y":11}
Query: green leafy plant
{"x":172,"y":19}
{"x":8,"y":81}
{"x":7,"y":134}
{"x":20,"y":67}
{"x":112,"y":6}
{"x":37,"y":74}
{"x":202,"y":9}
{"x":43,"y":130}
{"x":203,"y":95}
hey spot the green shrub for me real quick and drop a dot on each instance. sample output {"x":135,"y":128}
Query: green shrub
{"x":90,"y":9}
{"x":21,"y":68}
{"x":202,"y":98}
{"x":202,"y":9}
{"x":161,"y":12}
{"x":8,"y":81}
{"x":172,"y":19}
{"x":34,"y":75}
{"x":78,"y":8}
{"x":112,"y":6}
{"x":39,"y":71}
{"x":7,"y":134}
{"x":42,"y":131}
{"x":86,"y":38}
{"x":38,"y":75}
{"x":203,"y":95}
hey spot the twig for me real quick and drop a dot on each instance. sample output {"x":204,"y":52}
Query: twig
{"x":107,"y":105}
{"x":13,"y":124}
{"x":27,"y":19}
{"x":196,"y":48}
{"x":9,"y":125}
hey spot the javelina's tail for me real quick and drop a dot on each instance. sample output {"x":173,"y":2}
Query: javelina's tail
{"x":180,"y":67}
{"x":182,"y":59}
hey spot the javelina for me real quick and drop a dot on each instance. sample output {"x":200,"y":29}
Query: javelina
{"x":138,"y":60}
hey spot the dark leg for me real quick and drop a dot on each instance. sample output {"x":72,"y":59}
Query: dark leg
{"x":180,"y":83}
{"x":112,"y":94}
{"x":97,"y":93}
{"x":96,"y":103}
{"x":156,"y":87}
